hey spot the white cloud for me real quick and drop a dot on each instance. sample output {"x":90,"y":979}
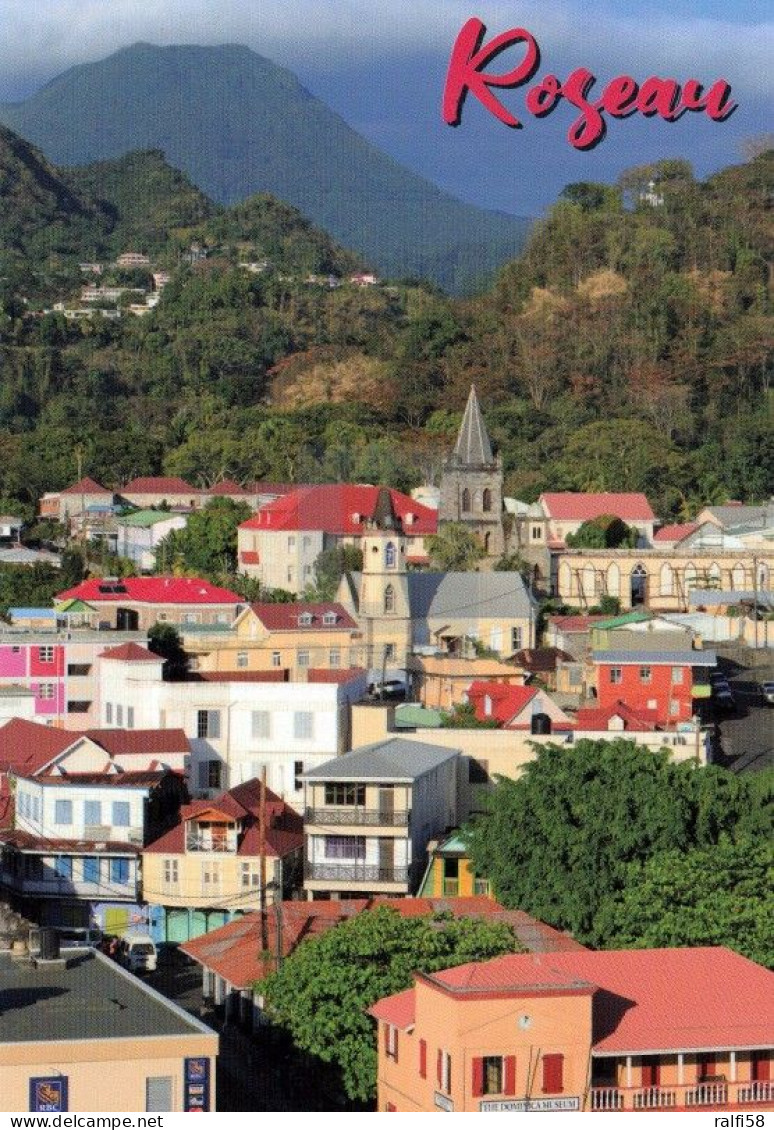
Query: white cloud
{"x":43,"y":37}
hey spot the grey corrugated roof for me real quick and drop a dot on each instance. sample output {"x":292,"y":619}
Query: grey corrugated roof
{"x":473,"y":448}
{"x":89,"y":997}
{"x":396,"y":759}
{"x":704,"y":658}
{"x":755,"y":516}
{"x":468,"y":595}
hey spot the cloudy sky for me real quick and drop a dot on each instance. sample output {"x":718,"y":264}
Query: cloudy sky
{"x":381,"y":65}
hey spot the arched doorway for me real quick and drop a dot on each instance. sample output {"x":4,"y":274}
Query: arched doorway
{"x":639,"y":585}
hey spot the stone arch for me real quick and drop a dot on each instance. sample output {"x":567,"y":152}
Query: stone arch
{"x":486,"y":500}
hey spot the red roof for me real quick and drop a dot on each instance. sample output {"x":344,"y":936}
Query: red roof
{"x":24,"y":841}
{"x":28,"y":746}
{"x":87,"y":486}
{"x":159,"y":484}
{"x":235,"y":951}
{"x":339,"y":508}
{"x":676,"y":532}
{"x":506,"y":701}
{"x":150,"y":590}
{"x":119,"y":743}
{"x":598,"y":718}
{"x":142,"y":779}
{"x":580,"y":507}
{"x":284,"y":832}
{"x":272,"y":488}
{"x":292,"y":617}
{"x":227,"y":487}
{"x":398,"y":1010}
{"x":131,"y":653}
{"x":658,"y":1000}
{"x":338,"y":675}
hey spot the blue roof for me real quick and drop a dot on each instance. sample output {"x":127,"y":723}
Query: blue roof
{"x":33,"y":613}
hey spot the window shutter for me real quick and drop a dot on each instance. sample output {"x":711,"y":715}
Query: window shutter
{"x":707,"y":1066}
{"x":509,"y":1075}
{"x":552,"y":1074}
{"x":439,"y":1067}
{"x":761,"y":1067}
{"x":650,"y":1074}
{"x":423,"y":1059}
{"x":387,"y":1039}
{"x":395,"y":1045}
{"x":478,"y":1077}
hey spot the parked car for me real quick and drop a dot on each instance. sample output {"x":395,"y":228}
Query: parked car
{"x":137,"y":953}
{"x":724,"y":700}
{"x":767,"y":691}
{"x":71,"y":937}
{"x":390,"y":688}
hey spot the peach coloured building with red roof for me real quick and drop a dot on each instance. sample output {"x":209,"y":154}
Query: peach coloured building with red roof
{"x":620,"y":1030}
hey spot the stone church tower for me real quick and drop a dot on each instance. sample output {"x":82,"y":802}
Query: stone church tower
{"x":383,"y":606}
{"x":472,"y":482}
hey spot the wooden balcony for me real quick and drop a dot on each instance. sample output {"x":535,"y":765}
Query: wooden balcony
{"x":205,"y":841}
{"x":715,"y":1094}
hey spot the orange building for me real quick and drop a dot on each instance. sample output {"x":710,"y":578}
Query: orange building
{"x":623,"y":1030}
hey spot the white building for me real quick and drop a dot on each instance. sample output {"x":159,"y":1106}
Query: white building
{"x":369,"y":816}
{"x":237,"y":722}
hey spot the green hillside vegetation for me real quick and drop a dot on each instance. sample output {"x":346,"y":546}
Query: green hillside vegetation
{"x":149,"y":204}
{"x":262,"y":132}
{"x":629,"y":348}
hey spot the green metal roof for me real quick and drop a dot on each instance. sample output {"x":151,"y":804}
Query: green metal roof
{"x":412,"y":716}
{"x":145,"y":518}
{"x":622,"y":621}
{"x":74,"y":605}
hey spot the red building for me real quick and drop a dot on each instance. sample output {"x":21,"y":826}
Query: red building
{"x":663,"y":684}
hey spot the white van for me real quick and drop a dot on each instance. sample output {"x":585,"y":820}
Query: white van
{"x":138,"y":953}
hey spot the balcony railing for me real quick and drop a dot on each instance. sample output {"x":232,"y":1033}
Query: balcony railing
{"x":356,"y":873}
{"x":719,"y":1093}
{"x":361,"y":816}
{"x":200,"y":842}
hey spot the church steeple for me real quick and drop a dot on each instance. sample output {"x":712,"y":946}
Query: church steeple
{"x":473,"y":448}
{"x":472,"y":482}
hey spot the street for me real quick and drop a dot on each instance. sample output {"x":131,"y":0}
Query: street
{"x":747,"y":734}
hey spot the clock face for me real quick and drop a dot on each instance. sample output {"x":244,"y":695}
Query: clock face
{"x":525,"y":1021}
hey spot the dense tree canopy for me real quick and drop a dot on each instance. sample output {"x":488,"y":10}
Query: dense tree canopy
{"x":207,"y":545}
{"x":721,"y":895}
{"x":557,"y":841}
{"x":455,"y":548}
{"x":321,"y":993}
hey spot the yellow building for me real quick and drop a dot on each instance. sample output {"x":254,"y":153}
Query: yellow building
{"x":209,"y":867}
{"x":661,"y":579}
{"x":85,"y":1035}
{"x":265,"y":637}
{"x":450,"y":873}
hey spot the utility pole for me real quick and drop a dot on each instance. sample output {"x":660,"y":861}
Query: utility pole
{"x":262,"y":858}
